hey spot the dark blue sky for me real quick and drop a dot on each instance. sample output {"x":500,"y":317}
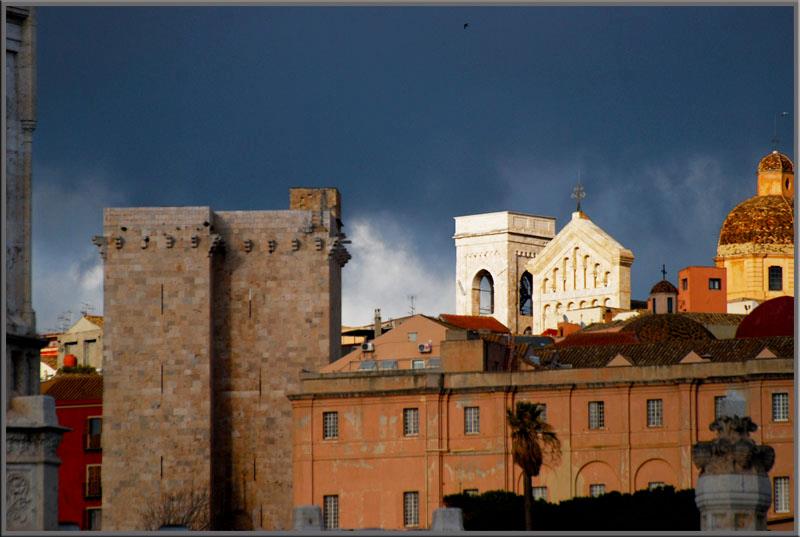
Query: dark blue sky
{"x":664,"y":112}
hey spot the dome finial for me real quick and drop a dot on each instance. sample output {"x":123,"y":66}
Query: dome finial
{"x":775,"y":139}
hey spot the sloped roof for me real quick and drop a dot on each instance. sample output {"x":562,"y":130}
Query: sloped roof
{"x":96,"y":319}
{"x":730,"y":319}
{"x":73,"y":387}
{"x":669,"y":352}
{"x":597,"y":338}
{"x":474,"y":322}
{"x":667,"y":326}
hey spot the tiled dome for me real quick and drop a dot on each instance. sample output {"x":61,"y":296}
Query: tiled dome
{"x":760,"y":220}
{"x":663,"y":286}
{"x":776,"y":161}
{"x":654,"y":328}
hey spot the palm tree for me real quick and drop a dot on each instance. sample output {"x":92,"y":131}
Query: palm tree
{"x":532,"y":440}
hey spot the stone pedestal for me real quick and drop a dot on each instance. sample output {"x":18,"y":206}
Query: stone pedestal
{"x":733,"y":490}
{"x":307,"y":518}
{"x":448,"y":519}
{"x":32,"y":437}
{"x":733,"y":501}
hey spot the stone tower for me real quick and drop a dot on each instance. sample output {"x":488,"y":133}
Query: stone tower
{"x":492,"y":250}
{"x":209,"y":319}
{"x":32,"y":431}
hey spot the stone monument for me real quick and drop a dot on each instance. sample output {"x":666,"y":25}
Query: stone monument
{"x":32,"y":431}
{"x":733,"y":490}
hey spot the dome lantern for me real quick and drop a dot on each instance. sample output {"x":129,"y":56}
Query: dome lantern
{"x":776,"y":176}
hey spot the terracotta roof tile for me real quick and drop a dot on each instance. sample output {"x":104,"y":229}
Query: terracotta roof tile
{"x":759,"y":220}
{"x":775,"y":317}
{"x":668,"y":352}
{"x":73,"y":387}
{"x":474,"y":322}
{"x":776,"y":161}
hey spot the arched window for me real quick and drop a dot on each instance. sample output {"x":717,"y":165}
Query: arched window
{"x":486,"y":306}
{"x":526,"y":294}
{"x":775,"y":278}
{"x":482,"y":293}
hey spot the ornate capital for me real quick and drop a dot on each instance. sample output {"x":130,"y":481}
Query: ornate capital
{"x":733,"y":451}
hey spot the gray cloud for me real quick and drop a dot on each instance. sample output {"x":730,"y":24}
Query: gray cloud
{"x":67,"y":269}
{"x":385,"y":269}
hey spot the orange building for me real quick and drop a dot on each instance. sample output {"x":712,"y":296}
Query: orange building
{"x":702,"y":290}
{"x":381,"y":448}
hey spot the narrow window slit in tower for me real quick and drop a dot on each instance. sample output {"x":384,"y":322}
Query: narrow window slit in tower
{"x":162,"y":299}
{"x":259,"y":384}
{"x":162,"y":377}
{"x":261,"y":515}
{"x":254,"y":467}
{"x":162,"y":467}
{"x":249,"y":303}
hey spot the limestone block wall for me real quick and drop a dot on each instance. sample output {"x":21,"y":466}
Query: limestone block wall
{"x":157,"y":435}
{"x":275,"y":313}
{"x":209,"y":319}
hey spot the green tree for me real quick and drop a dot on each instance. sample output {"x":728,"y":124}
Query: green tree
{"x":532,"y":441}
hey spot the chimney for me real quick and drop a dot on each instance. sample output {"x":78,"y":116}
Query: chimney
{"x":378,"y":325}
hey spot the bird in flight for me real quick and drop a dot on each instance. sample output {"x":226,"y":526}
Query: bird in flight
{"x":465,"y":25}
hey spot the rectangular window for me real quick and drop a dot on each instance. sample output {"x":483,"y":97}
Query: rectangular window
{"x":781,"y":495}
{"x":685,"y":283}
{"x":94,"y":430}
{"x":411,"y":509}
{"x":412,"y":336}
{"x":410,"y":421}
{"x":655,"y":413}
{"x":718,"y":402}
{"x":780,"y":406}
{"x":330,"y":425}
{"x":598,"y":489}
{"x":715,"y":284}
{"x":540,"y":493}
{"x":330,"y":512}
{"x":597,"y":418}
{"x":94,"y":518}
{"x":93,"y":481}
{"x":472,"y":420}
{"x":417,"y":364}
{"x":775,"y":278}
{"x":652,"y":485}
{"x":669,"y":304}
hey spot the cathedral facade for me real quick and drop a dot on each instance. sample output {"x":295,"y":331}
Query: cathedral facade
{"x":514,"y":267}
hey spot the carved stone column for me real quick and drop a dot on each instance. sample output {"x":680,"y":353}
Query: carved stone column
{"x":32,"y":437}
{"x":733,"y":491}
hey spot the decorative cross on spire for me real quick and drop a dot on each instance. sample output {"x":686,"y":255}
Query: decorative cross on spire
{"x":663,"y":272}
{"x":578,"y":193}
{"x":775,"y":139}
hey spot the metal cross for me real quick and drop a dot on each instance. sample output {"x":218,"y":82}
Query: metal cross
{"x":775,"y":139}
{"x":663,"y":272}
{"x":578,"y":193}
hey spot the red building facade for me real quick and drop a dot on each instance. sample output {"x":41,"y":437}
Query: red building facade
{"x":79,"y":406}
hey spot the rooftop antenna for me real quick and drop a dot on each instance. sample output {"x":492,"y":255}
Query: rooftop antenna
{"x":411,"y":299}
{"x":578,"y":193}
{"x":775,"y":139}
{"x":86,"y":308}
{"x":65,"y":320}
{"x":663,"y":272}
